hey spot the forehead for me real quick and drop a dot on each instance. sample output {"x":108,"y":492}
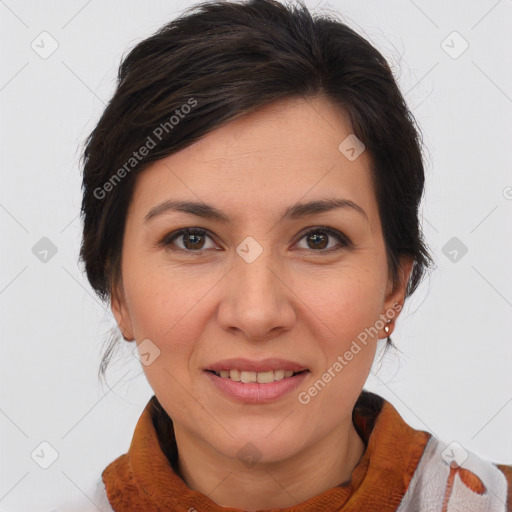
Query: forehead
{"x":262,"y":162}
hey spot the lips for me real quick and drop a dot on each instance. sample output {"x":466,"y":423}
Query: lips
{"x":252,"y":381}
{"x":256,"y":392}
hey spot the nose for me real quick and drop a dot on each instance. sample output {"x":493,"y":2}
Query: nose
{"x":257,"y":300}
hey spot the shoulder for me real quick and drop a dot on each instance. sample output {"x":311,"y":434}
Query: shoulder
{"x":454,"y":478}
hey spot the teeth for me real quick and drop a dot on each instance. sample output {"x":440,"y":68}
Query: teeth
{"x":265,"y":377}
{"x":260,"y":377}
{"x":278,"y":374}
{"x":247,"y":377}
{"x":234,"y":375}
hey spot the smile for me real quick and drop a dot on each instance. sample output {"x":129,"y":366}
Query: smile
{"x":256,"y":387}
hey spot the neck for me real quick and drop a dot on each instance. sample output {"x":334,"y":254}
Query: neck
{"x":281,"y":484}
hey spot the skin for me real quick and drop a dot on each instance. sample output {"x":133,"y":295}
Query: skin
{"x":295,"y":301}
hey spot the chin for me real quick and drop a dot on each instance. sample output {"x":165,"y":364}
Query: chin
{"x":258,"y":447}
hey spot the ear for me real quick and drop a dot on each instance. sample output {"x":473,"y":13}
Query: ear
{"x":395,"y":293}
{"x":120,"y":311}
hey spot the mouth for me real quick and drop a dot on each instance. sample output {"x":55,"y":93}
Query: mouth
{"x":256,"y":382}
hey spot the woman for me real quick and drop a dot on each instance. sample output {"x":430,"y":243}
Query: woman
{"x":250,"y":211}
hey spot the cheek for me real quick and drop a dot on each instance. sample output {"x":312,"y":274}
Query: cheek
{"x":161,"y":297}
{"x":169,"y":306}
{"x":343,"y":303}
{"x":169,"y":310}
{"x":344,"y":311}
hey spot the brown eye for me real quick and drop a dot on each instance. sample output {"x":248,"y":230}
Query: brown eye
{"x":319,"y":239}
{"x":192,"y":240}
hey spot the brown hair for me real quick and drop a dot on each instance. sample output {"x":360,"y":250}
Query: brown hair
{"x":218,"y":61}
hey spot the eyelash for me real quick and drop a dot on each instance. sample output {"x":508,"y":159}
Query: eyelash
{"x":344,"y":240}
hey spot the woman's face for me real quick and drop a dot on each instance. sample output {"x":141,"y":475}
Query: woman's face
{"x":256,"y":286}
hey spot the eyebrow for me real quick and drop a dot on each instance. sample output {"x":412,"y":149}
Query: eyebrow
{"x":295,"y":211}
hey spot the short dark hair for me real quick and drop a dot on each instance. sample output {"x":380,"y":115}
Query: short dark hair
{"x":223,"y":59}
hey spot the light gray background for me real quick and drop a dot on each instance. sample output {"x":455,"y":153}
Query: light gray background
{"x":454,"y":375}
